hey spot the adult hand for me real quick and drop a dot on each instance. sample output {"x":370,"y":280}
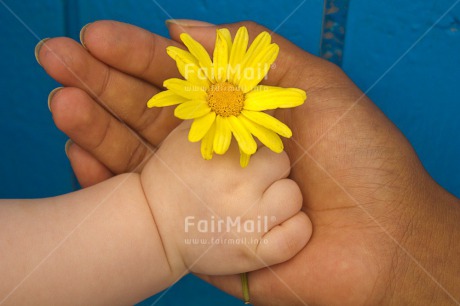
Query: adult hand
{"x":384,"y":231}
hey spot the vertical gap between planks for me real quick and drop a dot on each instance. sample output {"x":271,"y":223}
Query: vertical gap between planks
{"x":334,"y":30}
{"x":71,"y":19}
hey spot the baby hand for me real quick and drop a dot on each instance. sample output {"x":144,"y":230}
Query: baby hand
{"x":215,"y":217}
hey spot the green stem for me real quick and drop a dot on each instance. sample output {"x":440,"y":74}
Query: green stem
{"x":245,"y":285}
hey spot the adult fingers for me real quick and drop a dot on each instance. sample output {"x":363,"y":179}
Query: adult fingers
{"x":123,"y":95}
{"x":97,"y":132}
{"x":130,"y":49}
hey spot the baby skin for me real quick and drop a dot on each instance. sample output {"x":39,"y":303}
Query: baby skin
{"x":127,"y":238}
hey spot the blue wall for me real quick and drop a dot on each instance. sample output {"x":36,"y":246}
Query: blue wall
{"x":417,"y":89}
{"x":406,"y":56}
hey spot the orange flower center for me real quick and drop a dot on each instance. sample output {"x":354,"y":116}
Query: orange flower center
{"x":225,"y":99}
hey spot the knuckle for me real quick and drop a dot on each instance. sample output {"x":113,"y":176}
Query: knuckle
{"x":152,"y":50}
{"x":104,"y":84}
{"x":137,"y":157}
{"x":252,"y":26}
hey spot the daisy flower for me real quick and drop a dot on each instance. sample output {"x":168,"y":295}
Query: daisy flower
{"x":222,"y":95}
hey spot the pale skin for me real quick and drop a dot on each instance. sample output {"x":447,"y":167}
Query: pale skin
{"x":384,"y":231}
{"x":123,"y":240}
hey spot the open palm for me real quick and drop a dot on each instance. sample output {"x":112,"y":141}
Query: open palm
{"x":361,"y":181}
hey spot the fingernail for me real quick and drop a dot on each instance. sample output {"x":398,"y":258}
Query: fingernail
{"x":188,"y":23}
{"x":51,"y":95}
{"x":38,"y":48}
{"x":82,"y":34}
{"x":67,"y":146}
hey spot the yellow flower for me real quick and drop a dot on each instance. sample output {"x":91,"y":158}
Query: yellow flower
{"x":223,"y":97}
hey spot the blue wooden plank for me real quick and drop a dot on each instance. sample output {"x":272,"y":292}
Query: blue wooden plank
{"x":299,"y":20}
{"x":406,"y":54}
{"x":191,"y":291}
{"x":32,"y":158}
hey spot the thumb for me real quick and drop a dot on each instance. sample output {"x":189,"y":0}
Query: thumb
{"x":187,"y":23}
{"x":291,"y":61}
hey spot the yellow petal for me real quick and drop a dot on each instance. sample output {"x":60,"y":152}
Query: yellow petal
{"x":245,"y":140}
{"x":198,"y":51}
{"x":192,"y":109}
{"x":223,"y":135}
{"x":173,"y":52}
{"x":260,"y":42}
{"x":244,"y":159}
{"x":220,"y":58}
{"x":185,"y":89}
{"x":201,"y":126}
{"x":269,"y":138}
{"x":258,"y":45}
{"x":207,"y":143}
{"x":188,"y":66}
{"x":165,"y":98}
{"x":269,"y":122}
{"x":256,"y":69}
{"x":271,"y":97}
{"x":228,"y":38}
{"x":177,"y":53}
{"x":240,"y":44}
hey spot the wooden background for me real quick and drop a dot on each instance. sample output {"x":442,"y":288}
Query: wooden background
{"x":404,"y":54}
